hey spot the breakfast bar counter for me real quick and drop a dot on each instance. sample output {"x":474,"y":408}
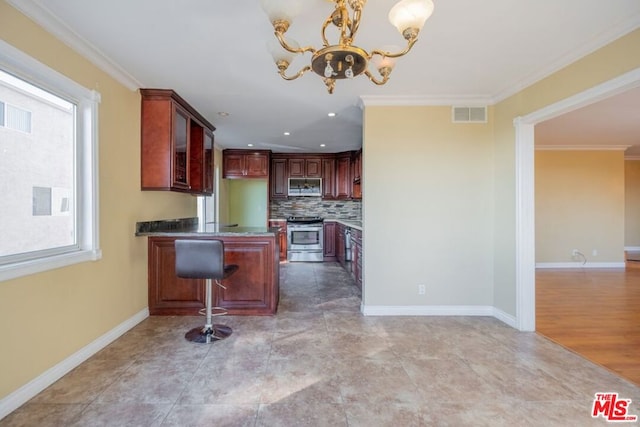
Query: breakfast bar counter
{"x":252,"y":290}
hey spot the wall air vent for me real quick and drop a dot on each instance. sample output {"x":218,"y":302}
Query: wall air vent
{"x":469,"y":114}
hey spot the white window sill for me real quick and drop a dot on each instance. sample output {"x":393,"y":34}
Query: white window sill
{"x":15,"y":270}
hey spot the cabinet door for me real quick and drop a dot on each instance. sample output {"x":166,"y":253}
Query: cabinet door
{"x":246,"y":291}
{"x":208,"y":162}
{"x":278,"y":179}
{"x":233,"y":165}
{"x":313,"y":168}
{"x":256,"y":165}
{"x":343,"y":178}
{"x":296,"y":168}
{"x":180,"y":164}
{"x":329,"y":239}
{"x":340,"y":244}
{"x":328,"y":178}
{"x":356,"y":191}
{"x":168,"y":294}
{"x":282,"y":236}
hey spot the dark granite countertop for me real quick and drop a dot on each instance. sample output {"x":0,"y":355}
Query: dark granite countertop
{"x":191,"y":227}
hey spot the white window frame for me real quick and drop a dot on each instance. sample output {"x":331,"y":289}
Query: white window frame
{"x":29,"y":69}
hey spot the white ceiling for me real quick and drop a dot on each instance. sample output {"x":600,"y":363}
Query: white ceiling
{"x":213,"y":53}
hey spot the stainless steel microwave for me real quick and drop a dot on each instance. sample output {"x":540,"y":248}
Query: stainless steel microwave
{"x":305,"y":187}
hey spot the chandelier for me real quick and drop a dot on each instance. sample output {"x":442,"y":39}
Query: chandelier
{"x":344,"y":60}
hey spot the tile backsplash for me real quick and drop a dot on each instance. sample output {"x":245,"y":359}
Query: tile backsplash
{"x":315,"y":206}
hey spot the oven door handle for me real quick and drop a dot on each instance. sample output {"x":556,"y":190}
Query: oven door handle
{"x":304,"y":228}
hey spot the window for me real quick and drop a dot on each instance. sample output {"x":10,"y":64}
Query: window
{"x":18,"y":119}
{"x":48,"y":167}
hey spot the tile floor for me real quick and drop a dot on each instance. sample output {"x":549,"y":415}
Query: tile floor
{"x":319,"y":362}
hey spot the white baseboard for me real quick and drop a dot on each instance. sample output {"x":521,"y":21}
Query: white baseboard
{"x":427,"y":310}
{"x":436,"y":310}
{"x":16,"y":399}
{"x":632,"y":248}
{"x":505,"y":318}
{"x":580,"y":265}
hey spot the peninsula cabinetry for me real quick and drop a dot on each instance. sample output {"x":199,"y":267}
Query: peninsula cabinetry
{"x":245,"y":163}
{"x":174,"y":144}
{"x":252,"y":290}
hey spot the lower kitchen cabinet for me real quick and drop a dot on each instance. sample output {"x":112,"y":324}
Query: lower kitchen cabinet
{"x":282,"y":235}
{"x":356,"y":262}
{"x":252,"y":290}
{"x":329,"y":246}
{"x":340,"y":244}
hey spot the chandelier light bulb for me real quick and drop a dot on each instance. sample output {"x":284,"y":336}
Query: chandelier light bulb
{"x":349,"y":72}
{"x":410,"y":15}
{"x":328,"y":70}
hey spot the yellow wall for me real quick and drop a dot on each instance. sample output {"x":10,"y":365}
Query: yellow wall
{"x":579,"y":205}
{"x":427,"y":208}
{"x":46,"y":317}
{"x":632,"y":203}
{"x":420,"y":223}
{"x":600,"y":66}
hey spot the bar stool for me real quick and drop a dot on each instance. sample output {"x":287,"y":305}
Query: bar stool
{"x":204,"y":259}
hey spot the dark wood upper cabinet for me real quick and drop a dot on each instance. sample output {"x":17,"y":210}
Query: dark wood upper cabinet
{"x":245,"y":163}
{"x":305,"y":167}
{"x":329,"y":178}
{"x":337,"y":171}
{"x":356,"y":167}
{"x":278,"y":179}
{"x":173,"y":138}
{"x":343,"y":176}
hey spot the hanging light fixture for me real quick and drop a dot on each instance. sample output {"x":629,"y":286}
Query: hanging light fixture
{"x":343,"y":60}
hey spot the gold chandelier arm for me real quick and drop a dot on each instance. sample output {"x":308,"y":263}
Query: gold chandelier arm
{"x":285,"y":45}
{"x":385,"y":77}
{"x":298,"y":74}
{"x":355,"y":23}
{"x":394,"y":55}
{"x":328,"y":21}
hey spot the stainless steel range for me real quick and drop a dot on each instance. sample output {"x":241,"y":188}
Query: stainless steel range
{"x":305,"y":238}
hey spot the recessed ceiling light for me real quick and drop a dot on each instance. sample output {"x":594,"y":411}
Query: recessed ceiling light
{"x":323,"y":145}
{"x":223,"y":113}
{"x":287,"y":133}
{"x":249,"y":145}
{"x":331,"y":114}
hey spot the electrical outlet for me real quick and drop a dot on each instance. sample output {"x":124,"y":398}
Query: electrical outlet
{"x":574,"y":252}
{"x":594,"y":252}
{"x":422,"y":289}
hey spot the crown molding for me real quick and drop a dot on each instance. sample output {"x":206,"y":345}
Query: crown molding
{"x":625,"y":27}
{"x":47,"y":20}
{"x":419,"y":101}
{"x":581,"y":147}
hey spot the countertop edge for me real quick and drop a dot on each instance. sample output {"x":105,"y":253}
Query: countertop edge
{"x":346,"y":222}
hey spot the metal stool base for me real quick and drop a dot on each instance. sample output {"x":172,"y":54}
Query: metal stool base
{"x":206,"y":335}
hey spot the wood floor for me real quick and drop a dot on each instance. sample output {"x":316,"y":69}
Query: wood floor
{"x":595,"y":313}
